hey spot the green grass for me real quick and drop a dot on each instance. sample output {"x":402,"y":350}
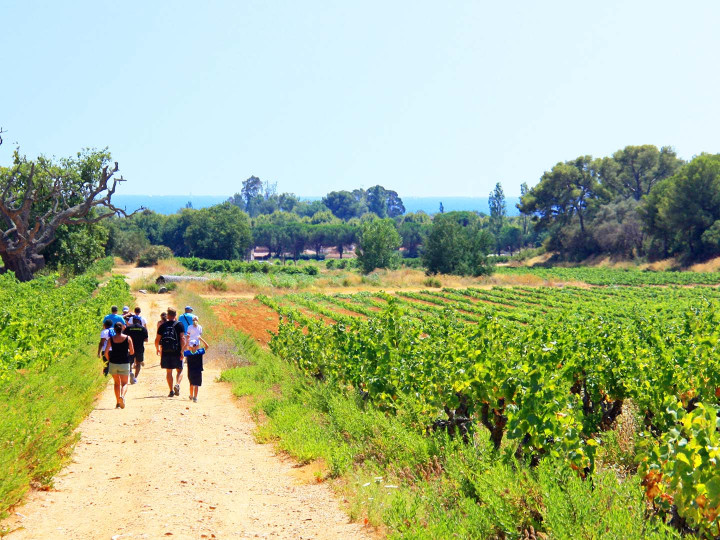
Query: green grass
{"x":428,"y":486}
{"x":40,"y":412}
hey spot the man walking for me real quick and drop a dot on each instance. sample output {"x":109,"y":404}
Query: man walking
{"x":113,"y":317}
{"x":187,"y":318}
{"x":142,"y":319}
{"x":139,"y":335}
{"x":169,"y":344}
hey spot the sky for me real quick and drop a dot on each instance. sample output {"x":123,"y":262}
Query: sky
{"x":427,"y":98}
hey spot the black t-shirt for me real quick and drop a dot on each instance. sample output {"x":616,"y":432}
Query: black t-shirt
{"x":138,"y":334}
{"x":194,"y":360}
{"x":119,"y":351}
{"x":179,"y":332}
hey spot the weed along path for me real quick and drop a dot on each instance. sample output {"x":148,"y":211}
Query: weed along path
{"x":170,"y":468}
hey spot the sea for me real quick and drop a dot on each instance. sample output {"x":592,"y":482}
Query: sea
{"x":169,"y":204}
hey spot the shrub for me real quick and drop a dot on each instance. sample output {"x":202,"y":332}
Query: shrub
{"x":432,"y":282}
{"x":153,"y":254}
{"x":218,"y":285}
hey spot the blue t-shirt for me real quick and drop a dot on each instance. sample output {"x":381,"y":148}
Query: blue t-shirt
{"x":186,"y":319}
{"x":115,"y":318}
{"x":195,"y":359}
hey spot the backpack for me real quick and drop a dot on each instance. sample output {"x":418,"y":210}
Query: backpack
{"x":168,"y":339}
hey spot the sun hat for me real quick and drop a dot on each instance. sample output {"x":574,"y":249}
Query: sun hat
{"x":126,"y":309}
{"x":188,"y":308}
{"x":193,"y":342}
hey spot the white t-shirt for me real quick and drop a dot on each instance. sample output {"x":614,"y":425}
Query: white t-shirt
{"x":194,"y":332}
{"x":105,"y":334}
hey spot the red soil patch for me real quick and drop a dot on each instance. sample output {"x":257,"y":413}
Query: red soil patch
{"x":249,"y":316}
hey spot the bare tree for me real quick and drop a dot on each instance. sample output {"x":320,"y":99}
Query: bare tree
{"x":37,"y":197}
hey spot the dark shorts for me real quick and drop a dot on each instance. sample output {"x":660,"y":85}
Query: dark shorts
{"x":137,"y":357}
{"x":195,"y":377}
{"x":171,"y":362}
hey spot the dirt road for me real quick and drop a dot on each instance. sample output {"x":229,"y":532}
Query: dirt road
{"x":170,"y":468}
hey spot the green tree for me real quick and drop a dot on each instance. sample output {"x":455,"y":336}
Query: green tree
{"x":688,"y":206}
{"x":498,"y":212}
{"x":458,"y":244}
{"x":446,"y":245}
{"x":128,"y":243}
{"x":251,"y":194}
{"x":384,"y":202}
{"x":342,"y":204}
{"x":378,"y":244}
{"x":341,"y":235}
{"x":634,"y":170}
{"x":174,"y":228}
{"x":76,"y":248}
{"x":38,"y":197}
{"x":562,"y":202}
{"x":219,"y":232}
{"x":524,"y":218}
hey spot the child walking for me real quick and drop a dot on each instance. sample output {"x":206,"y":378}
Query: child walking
{"x":194,"y":359}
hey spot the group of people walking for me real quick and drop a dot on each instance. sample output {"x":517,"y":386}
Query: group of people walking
{"x":177,"y":342}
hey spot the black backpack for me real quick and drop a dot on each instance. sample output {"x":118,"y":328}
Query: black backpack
{"x":168,"y":339}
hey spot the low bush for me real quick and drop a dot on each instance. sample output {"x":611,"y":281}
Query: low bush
{"x":153,"y":254}
{"x":244,"y":267}
{"x":218,"y":285}
{"x":432,"y":282}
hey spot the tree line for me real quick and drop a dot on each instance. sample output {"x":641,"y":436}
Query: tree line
{"x":642,"y":201}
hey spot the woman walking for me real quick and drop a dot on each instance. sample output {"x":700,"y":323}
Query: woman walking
{"x":163,"y":320}
{"x":119,"y":363}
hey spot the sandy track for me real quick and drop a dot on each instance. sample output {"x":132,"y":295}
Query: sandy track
{"x":169,"y":468}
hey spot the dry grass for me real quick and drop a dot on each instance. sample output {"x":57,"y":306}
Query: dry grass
{"x":713,"y":265}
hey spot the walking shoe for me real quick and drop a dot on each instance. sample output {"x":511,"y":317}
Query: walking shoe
{"x":117,"y":405}
{"x":177,"y":389}
{"x":122,"y":402}
{"x":195,"y":400}
{"x":133,"y":379}
{"x":171,"y":394}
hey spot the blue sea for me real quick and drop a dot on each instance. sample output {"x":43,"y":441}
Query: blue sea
{"x":169,"y":204}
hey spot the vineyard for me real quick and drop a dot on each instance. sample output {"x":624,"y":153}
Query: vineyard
{"x":542,"y":372}
{"x":48,"y":376}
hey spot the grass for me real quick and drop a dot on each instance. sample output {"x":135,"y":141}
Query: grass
{"x":40,"y":414}
{"x":410,"y":484}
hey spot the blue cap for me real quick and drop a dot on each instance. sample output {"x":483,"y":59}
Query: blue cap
{"x":188,"y":308}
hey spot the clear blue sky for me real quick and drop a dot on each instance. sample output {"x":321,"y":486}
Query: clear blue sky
{"x":427,"y":98}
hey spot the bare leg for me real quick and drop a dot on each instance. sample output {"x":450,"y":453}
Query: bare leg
{"x":179,"y":375}
{"x":169,"y":378}
{"x":137,"y":368}
{"x":116,"y":387}
{"x":124,"y":385}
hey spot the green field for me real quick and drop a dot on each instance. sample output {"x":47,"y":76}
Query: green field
{"x":605,"y":380}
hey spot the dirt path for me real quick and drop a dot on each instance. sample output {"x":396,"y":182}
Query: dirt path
{"x":169,"y":468}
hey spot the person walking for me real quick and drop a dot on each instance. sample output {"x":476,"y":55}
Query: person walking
{"x":139,"y":335}
{"x":126,"y":315}
{"x":121,"y":347}
{"x":194,"y":331}
{"x":169,"y":344}
{"x":142,"y":319}
{"x":113,"y":316}
{"x":187,"y":318}
{"x":163,"y":318}
{"x":105,"y":336}
{"x":194,"y":356}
